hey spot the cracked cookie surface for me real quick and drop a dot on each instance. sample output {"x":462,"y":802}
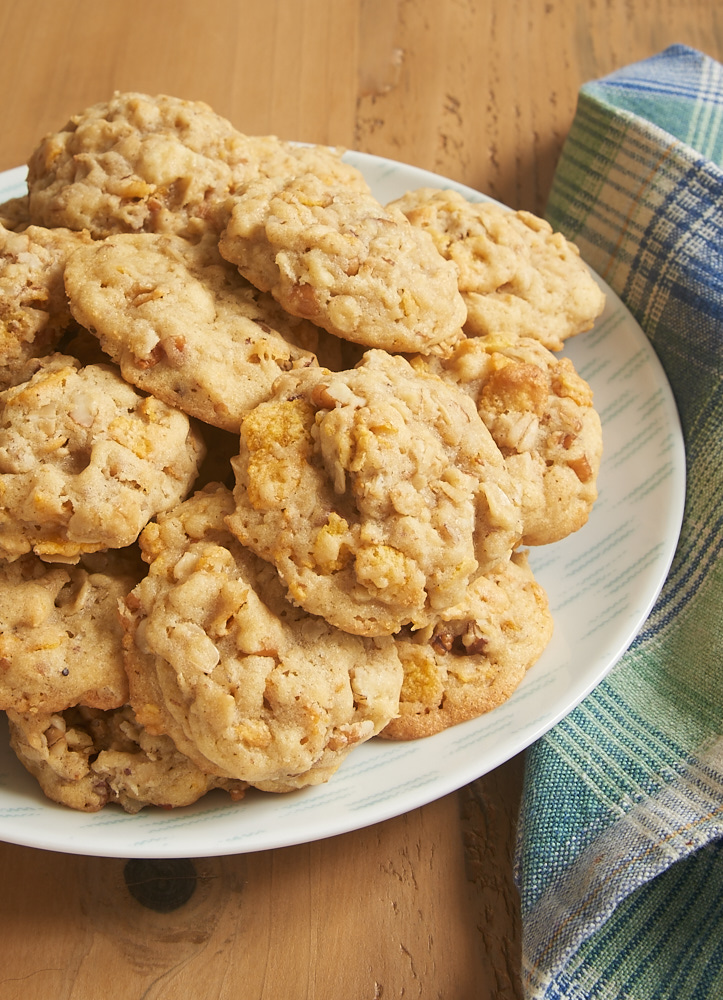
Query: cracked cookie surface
{"x":86,"y":461}
{"x":60,"y":643}
{"x":86,"y":758}
{"x":247,"y":685}
{"x":378,"y":493}
{"x":34,"y":312}
{"x":137,"y":163}
{"x":475,"y":655}
{"x":540,"y":412}
{"x":143,"y":163}
{"x":516,"y":275}
{"x":182,"y":324}
{"x":333,"y":254}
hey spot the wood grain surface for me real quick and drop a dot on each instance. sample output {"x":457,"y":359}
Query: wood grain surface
{"x":484,"y":92}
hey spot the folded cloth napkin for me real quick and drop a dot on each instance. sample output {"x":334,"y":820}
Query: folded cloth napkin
{"x":619,"y":856}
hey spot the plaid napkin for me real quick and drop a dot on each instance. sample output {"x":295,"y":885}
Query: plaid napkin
{"x":620,"y":861}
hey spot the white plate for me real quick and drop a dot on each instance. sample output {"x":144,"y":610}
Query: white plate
{"x":602,"y":582}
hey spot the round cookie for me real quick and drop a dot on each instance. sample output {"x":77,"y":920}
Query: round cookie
{"x":475,"y":655}
{"x":86,"y":758}
{"x":141,"y":163}
{"x":34,"y":312}
{"x":86,"y":461}
{"x":137,"y":162}
{"x":377,"y":493}
{"x":540,"y":412}
{"x":183,"y":325}
{"x":517,"y":277}
{"x":332,"y":254}
{"x":60,"y":641}
{"x":246,"y":685}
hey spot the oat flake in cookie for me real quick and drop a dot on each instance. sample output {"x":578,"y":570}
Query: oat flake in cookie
{"x":333,"y":254}
{"x":245,"y":684}
{"x":86,"y":461}
{"x":475,"y":655}
{"x":516,"y":276}
{"x":183,"y":325}
{"x":378,"y":493}
{"x":86,"y":759}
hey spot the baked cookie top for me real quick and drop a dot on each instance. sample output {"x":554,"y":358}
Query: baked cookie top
{"x":246,"y":685}
{"x":516,"y":275}
{"x":377,"y":493}
{"x":278,"y":161}
{"x":475,"y":655}
{"x":86,"y":758}
{"x":34,"y":312}
{"x":155,"y":164}
{"x":540,"y":412}
{"x":60,"y":643}
{"x":86,"y":461}
{"x":331,"y":253}
{"x":137,"y":162}
{"x":182,"y":324}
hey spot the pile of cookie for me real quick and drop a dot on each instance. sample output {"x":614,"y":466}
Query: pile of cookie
{"x":270,"y":456}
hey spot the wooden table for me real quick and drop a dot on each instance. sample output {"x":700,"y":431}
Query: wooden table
{"x":482,"y":91}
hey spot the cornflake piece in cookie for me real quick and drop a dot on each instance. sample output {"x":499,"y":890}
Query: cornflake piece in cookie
{"x":540,"y":413}
{"x":516,"y":275}
{"x":85,"y":758}
{"x":183,"y":325}
{"x":141,"y":163}
{"x":474,"y":657}
{"x":86,"y":461}
{"x":60,"y":642}
{"x":333,"y":254}
{"x":34,"y":312}
{"x":245,"y":684}
{"x":378,"y":493}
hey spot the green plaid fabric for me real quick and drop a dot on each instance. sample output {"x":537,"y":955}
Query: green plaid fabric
{"x":620,"y":856}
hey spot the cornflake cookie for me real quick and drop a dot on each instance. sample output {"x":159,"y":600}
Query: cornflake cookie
{"x":135,"y":163}
{"x":34,"y":312}
{"x":86,"y":758}
{"x":86,"y":461}
{"x":378,"y":493}
{"x":60,"y":643}
{"x":540,"y":413}
{"x":475,"y":655}
{"x":183,"y":325}
{"x":246,"y":685}
{"x":334,"y":255}
{"x":154,"y":164}
{"x":516,"y":275}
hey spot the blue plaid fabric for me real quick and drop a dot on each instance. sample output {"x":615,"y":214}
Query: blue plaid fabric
{"x":620,"y":857}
